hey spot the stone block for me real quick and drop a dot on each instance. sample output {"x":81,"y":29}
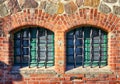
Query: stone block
{"x":92,"y":3}
{"x":116,"y":10}
{"x":51,"y":8}
{"x":42,"y":4}
{"x":110,"y":1}
{"x":60,"y":8}
{"x":13,"y":6}
{"x":1,"y":1}
{"x":104,"y":8}
{"x":30,"y":4}
{"x":70,"y":7}
{"x":79,"y":3}
{"x":3,"y":10}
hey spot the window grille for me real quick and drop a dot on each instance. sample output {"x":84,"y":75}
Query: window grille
{"x":34,"y":47}
{"x":86,"y":46}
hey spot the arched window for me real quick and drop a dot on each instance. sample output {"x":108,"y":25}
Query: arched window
{"x":86,"y":46}
{"x":34,"y":47}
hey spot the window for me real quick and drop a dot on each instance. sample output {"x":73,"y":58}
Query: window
{"x":34,"y":47}
{"x":86,"y":46}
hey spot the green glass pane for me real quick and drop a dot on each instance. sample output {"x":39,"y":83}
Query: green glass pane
{"x":50,"y":64}
{"x":103,"y":49}
{"x":104,"y":63}
{"x":95,"y":63}
{"x":87,"y":48}
{"x":41,"y":64}
{"x":87,"y":40}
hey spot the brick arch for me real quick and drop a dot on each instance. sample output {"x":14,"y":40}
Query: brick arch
{"x":36,"y":18}
{"x":92,"y":17}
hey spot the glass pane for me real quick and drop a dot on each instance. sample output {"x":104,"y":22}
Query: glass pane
{"x":17,"y":35}
{"x":79,"y":51}
{"x":96,"y":41}
{"x":79,"y":33}
{"x":78,"y":42}
{"x":25,"y":59}
{"x":17,"y":51}
{"x":95,"y":33}
{"x":42,"y":48}
{"x":87,"y":56}
{"x":70,"y":42}
{"x":50,"y":48}
{"x":17,"y":59}
{"x":25,"y":43}
{"x":50,"y":36}
{"x":70,"y":51}
{"x":50,"y":54}
{"x":70,"y":59}
{"x":17,"y":43}
{"x":33,"y":33}
{"x":25,"y":51}
{"x":79,"y":60}
{"x":25,"y":33}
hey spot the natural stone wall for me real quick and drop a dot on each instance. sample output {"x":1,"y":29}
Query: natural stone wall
{"x":8,"y":7}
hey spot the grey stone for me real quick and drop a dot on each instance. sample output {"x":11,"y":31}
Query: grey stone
{"x":70,"y":7}
{"x":110,"y":1}
{"x":104,"y":8}
{"x":79,"y":3}
{"x":13,"y":6}
{"x":30,"y":4}
{"x":3,"y":10}
{"x":1,"y":1}
{"x":43,"y":4}
{"x":51,"y":8}
{"x":116,"y":10}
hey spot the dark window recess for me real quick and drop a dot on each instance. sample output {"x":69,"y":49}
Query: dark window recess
{"x":86,"y":46}
{"x":34,"y":47}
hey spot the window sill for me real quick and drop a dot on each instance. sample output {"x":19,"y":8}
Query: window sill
{"x":89,"y":70}
{"x":33,"y":70}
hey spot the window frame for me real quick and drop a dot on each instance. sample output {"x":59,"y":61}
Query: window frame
{"x":49,"y":38}
{"x":100,"y":64}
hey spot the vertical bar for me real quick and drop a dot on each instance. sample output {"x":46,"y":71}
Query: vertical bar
{"x":99,"y":48}
{"x":46,"y":56}
{"x":83,"y":48}
{"x":91,"y":47}
{"x":38,"y":49}
{"x":74,"y":49}
{"x":29,"y":47}
{"x":21,"y":48}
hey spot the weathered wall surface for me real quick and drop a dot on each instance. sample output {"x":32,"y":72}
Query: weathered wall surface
{"x":59,"y":16}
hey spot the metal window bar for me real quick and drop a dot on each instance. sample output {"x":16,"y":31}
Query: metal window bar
{"x":91,"y":47}
{"x":99,"y":48}
{"x":38,"y":49}
{"x":21,"y":49}
{"x":29,"y":36}
{"x":83,"y":48}
{"x":74,"y":41}
{"x":46,"y":56}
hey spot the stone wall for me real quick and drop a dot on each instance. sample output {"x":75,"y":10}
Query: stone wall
{"x":8,"y":7}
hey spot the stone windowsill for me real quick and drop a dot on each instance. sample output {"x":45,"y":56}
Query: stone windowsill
{"x":51,"y":70}
{"x":33,"y":70}
{"x":89,"y":70}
